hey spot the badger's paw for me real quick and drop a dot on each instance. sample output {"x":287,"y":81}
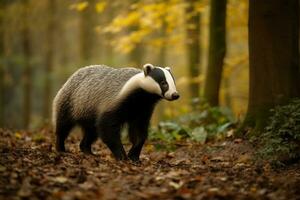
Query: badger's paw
{"x":60,"y":149}
{"x":87,"y":152}
{"x":63,"y":153}
{"x":121,"y":158}
{"x":134,"y":160}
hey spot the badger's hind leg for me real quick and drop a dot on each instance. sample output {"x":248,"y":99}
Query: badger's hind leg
{"x":89,"y":137}
{"x":63,"y":128}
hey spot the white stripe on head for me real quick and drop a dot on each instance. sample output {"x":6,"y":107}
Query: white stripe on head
{"x":150,"y":85}
{"x":140,"y":81}
{"x":172,"y":87}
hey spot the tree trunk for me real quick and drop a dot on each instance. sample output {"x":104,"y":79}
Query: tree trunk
{"x":2,"y":84}
{"x":227,"y":94}
{"x":87,"y":33}
{"x":193,"y":46}
{"x":49,"y":59}
{"x":27,"y":74}
{"x":162,"y":55}
{"x":217,"y":50}
{"x":274,"y":53}
{"x":136,"y":56}
{"x":61,"y":32}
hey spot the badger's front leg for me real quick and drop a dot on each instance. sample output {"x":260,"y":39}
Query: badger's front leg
{"x":138,"y":132}
{"x":109,"y":131}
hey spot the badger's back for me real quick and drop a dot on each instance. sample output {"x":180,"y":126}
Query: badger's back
{"x":91,"y":90}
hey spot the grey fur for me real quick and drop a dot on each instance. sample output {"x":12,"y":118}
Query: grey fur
{"x":90,"y":88}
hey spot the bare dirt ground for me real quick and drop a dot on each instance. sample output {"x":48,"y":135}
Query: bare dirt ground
{"x":31,"y":169}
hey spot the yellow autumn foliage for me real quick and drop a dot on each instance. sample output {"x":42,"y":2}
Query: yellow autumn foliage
{"x":100,"y":6}
{"x":144,"y":21}
{"x":80,"y":6}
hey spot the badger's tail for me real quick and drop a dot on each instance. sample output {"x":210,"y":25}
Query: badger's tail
{"x":54,"y":111}
{"x":57,"y":102}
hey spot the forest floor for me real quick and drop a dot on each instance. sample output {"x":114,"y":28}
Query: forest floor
{"x":31,"y":169}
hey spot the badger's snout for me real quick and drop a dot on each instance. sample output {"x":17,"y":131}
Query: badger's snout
{"x":175,"y":96}
{"x":172,"y":97}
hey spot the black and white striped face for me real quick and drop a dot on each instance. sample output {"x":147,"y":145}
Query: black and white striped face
{"x":160,"y":81}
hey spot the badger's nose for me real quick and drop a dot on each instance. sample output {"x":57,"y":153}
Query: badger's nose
{"x":175,"y":96}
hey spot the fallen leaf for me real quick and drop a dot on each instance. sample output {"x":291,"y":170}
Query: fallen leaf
{"x":223,"y":178}
{"x":213,"y":190}
{"x":175,"y":185}
{"x":230,"y":133}
{"x":185,"y":193}
{"x":18,"y":135}
{"x":60,"y":179}
{"x":25,"y":190}
{"x":176,"y":173}
{"x":238,"y":140}
{"x":149,"y":148}
{"x":217,"y":159}
{"x":86,"y":185}
{"x":244,"y":158}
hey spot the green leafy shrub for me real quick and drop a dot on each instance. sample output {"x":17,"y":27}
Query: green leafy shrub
{"x":205,"y":124}
{"x":281,"y":141}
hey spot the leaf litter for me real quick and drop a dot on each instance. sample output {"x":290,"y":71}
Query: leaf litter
{"x":31,"y":169}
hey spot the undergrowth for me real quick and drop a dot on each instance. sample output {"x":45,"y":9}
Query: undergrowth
{"x":281,"y":140}
{"x":203,"y":125}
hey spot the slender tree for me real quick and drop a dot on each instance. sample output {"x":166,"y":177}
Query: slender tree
{"x":87,"y":33}
{"x":61,"y":32}
{"x":106,"y":47}
{"x":161,"y":60}
{"x":136,"y":55}
{"x":227,"y":94}
{"x":2,"y":84}
{"x":193,"y":45}
{"x":49,"y":58}
{"x":217,"y":50}
{"x":27,"y":73}
{"x":274,"y":58}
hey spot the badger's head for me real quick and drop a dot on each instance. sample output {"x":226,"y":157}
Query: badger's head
{"x":159,"y":81}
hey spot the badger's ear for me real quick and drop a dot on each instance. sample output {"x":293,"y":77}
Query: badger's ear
{"x":148,"y":68}
{"x":168,"y":68}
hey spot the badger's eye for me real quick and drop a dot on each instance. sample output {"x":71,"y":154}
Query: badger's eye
{"x":164,"y":85}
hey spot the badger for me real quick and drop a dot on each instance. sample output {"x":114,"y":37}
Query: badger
{"x":102,"y":99}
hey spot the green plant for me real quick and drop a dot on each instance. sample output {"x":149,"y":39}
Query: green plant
{"x":281,"y":141}
{"x":205,"y":124}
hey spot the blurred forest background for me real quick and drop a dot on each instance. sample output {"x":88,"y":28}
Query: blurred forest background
{"x":43,"y":42}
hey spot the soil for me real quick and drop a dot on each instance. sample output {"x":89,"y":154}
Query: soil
{"x":31,"y":169}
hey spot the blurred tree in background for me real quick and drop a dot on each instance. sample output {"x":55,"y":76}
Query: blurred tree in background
{"x":50,"y":32}
{"x":27,"y":62}
{"x":2,"y":87}
{"x":216,"y":52}
{"x":44,"y":42}
{"x":87,"y":24}
{"x":193,"y":33}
